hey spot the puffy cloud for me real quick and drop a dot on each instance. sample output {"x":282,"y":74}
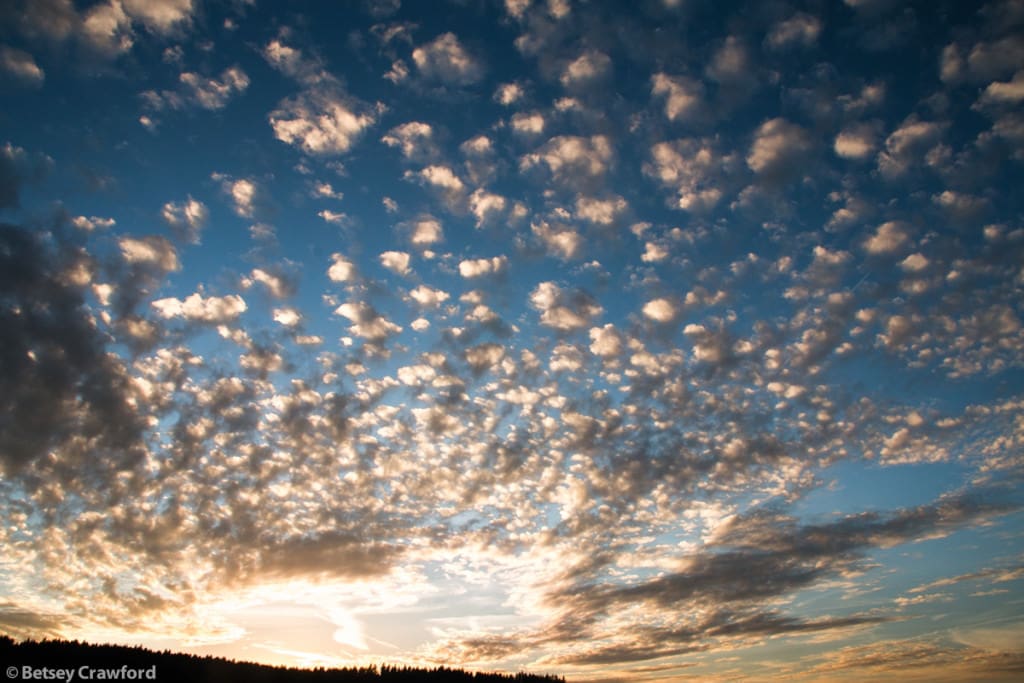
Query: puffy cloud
{"x":160,"y":16}
{"x":693,"y":168}
{"x":484,"y":356}
{"x":684,"y":97}
{"x":601,"y":211}
{"x":289,"y":317}
{"x":568,"y":156}
{"x":799,"y":30}
{"x":197,"y":308}
{"x":342,"y":269}
{"x":276,"y":285}
{"x":660,"y":310}
{"x":395,"y":261}
{"x":856,"y":142}
{"x":780,"y":149}
{"x":559,"y":241}
{"x":367,"y":322}
{"x":21,"y":66}
{"x":1008,"y":92}
{"x":888,"y":238}
{"x":561,"y":309}
{"x":470,"y":268}
{"x":151,"y":250}
{"x":107,"y":29}
{"x":588,"y":67}
{"x":244,"y":195}
{"x":442,"y":178}
{"x":186,"y":218}
{"x":413,"y":138}
{"x":199,"y":91}
{"x":484,"y":204}
{"x":320,"y":122}
{"x":907,"y":145}
{"x":426,"y":231}
{"x":508,"y":94}
{"x":605,"y":341}
{"x":528,"y":123}
{"x":445,"y":59}
{"x":428,"y":297}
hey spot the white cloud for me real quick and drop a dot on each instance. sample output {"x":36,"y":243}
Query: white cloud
{"x":426,"y":231}
{"x":319,"y":122}
{"x":561,"y":241}
{"x":107,"y":29}
{"x":159,"y":16}
{"x":428,"y":296}
{"x":366,"y":322}
{"x":289,"y":317}
{"x":563,"y":310}
{"x":660,"y":310}
{"x":907,"y":145}
{"x":442,"y":177}
{"x":914,"y":263}
{"x":445,"y":59}
{"x":484,"y":204}
{"x":341,"y":270}
{"x":21,"y":65}
{"x":601,"y":211}
{"x":277,"y":286}
{"x":470,"y":268}
{"x":586,"y":68}
{"x":889,"y":237}
{"x":683,"y":96}
{"x":151,"y":250}
{"x":508,"y":94}
{"x":243,"y":193}
{"x":395,"y":261}
{"x":855,"y":142}
{"x":197,"y":308}
{"x":605,"y":341}
{"x":779,"y":146}
{"x":186,"y":218}
{"x":693,"y":168}
{"x":413,"y":138}
{"x":1009,"y":92}
{"x":528,"y":123}
{"x":569,"y":155}
{"x":398,"y":71}
{"x":211,"y":93}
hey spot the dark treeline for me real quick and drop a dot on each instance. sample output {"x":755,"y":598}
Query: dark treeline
{"x":177,"y":666}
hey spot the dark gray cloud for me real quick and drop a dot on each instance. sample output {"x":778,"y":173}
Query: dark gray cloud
{"x":56,"y":379}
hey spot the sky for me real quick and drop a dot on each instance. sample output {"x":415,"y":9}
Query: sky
{"x":655,"y":341}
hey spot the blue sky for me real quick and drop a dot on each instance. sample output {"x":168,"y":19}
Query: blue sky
{"x":674,"y":340}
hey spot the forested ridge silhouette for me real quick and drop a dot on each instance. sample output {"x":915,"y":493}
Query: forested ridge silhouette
{"x":178,"y":666}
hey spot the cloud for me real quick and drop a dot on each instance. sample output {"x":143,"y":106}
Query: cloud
{"x":800,"y":30}
{"x":395,"y":261}
{"x":508,"y":94}
{"x":907,"y":145}
{"x":151,"y":251}
{"x":187,"y":219}
{"x":444,"y":59}
{"x":428,"y":297}
{"x":780,"y":149}
{"x":21,"y":66}
{"x":560,"y":241}
{"x":470,"y":268}
{"x":320,"y":122}
{"x":412,"y":138}
{"x":856,"y":142}
{"x":694,"y":169}
{"x":600,"y":211}
{"x":684,"y":97}
{"x":564,"y":309}
{"x":590,"y":66}
{"x":342,"y":269}
{"x":59,"y":387}
{"x":426,"y":231}
{"x":660,"y":310}
{"x":889,"y":237}
{"x":18,"y":168}
{"x":569,"y":156}
{"x":367,"y":322}
{"x":197,"y":308}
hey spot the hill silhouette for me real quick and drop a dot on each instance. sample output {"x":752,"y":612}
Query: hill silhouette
{"x":107,"y":662}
